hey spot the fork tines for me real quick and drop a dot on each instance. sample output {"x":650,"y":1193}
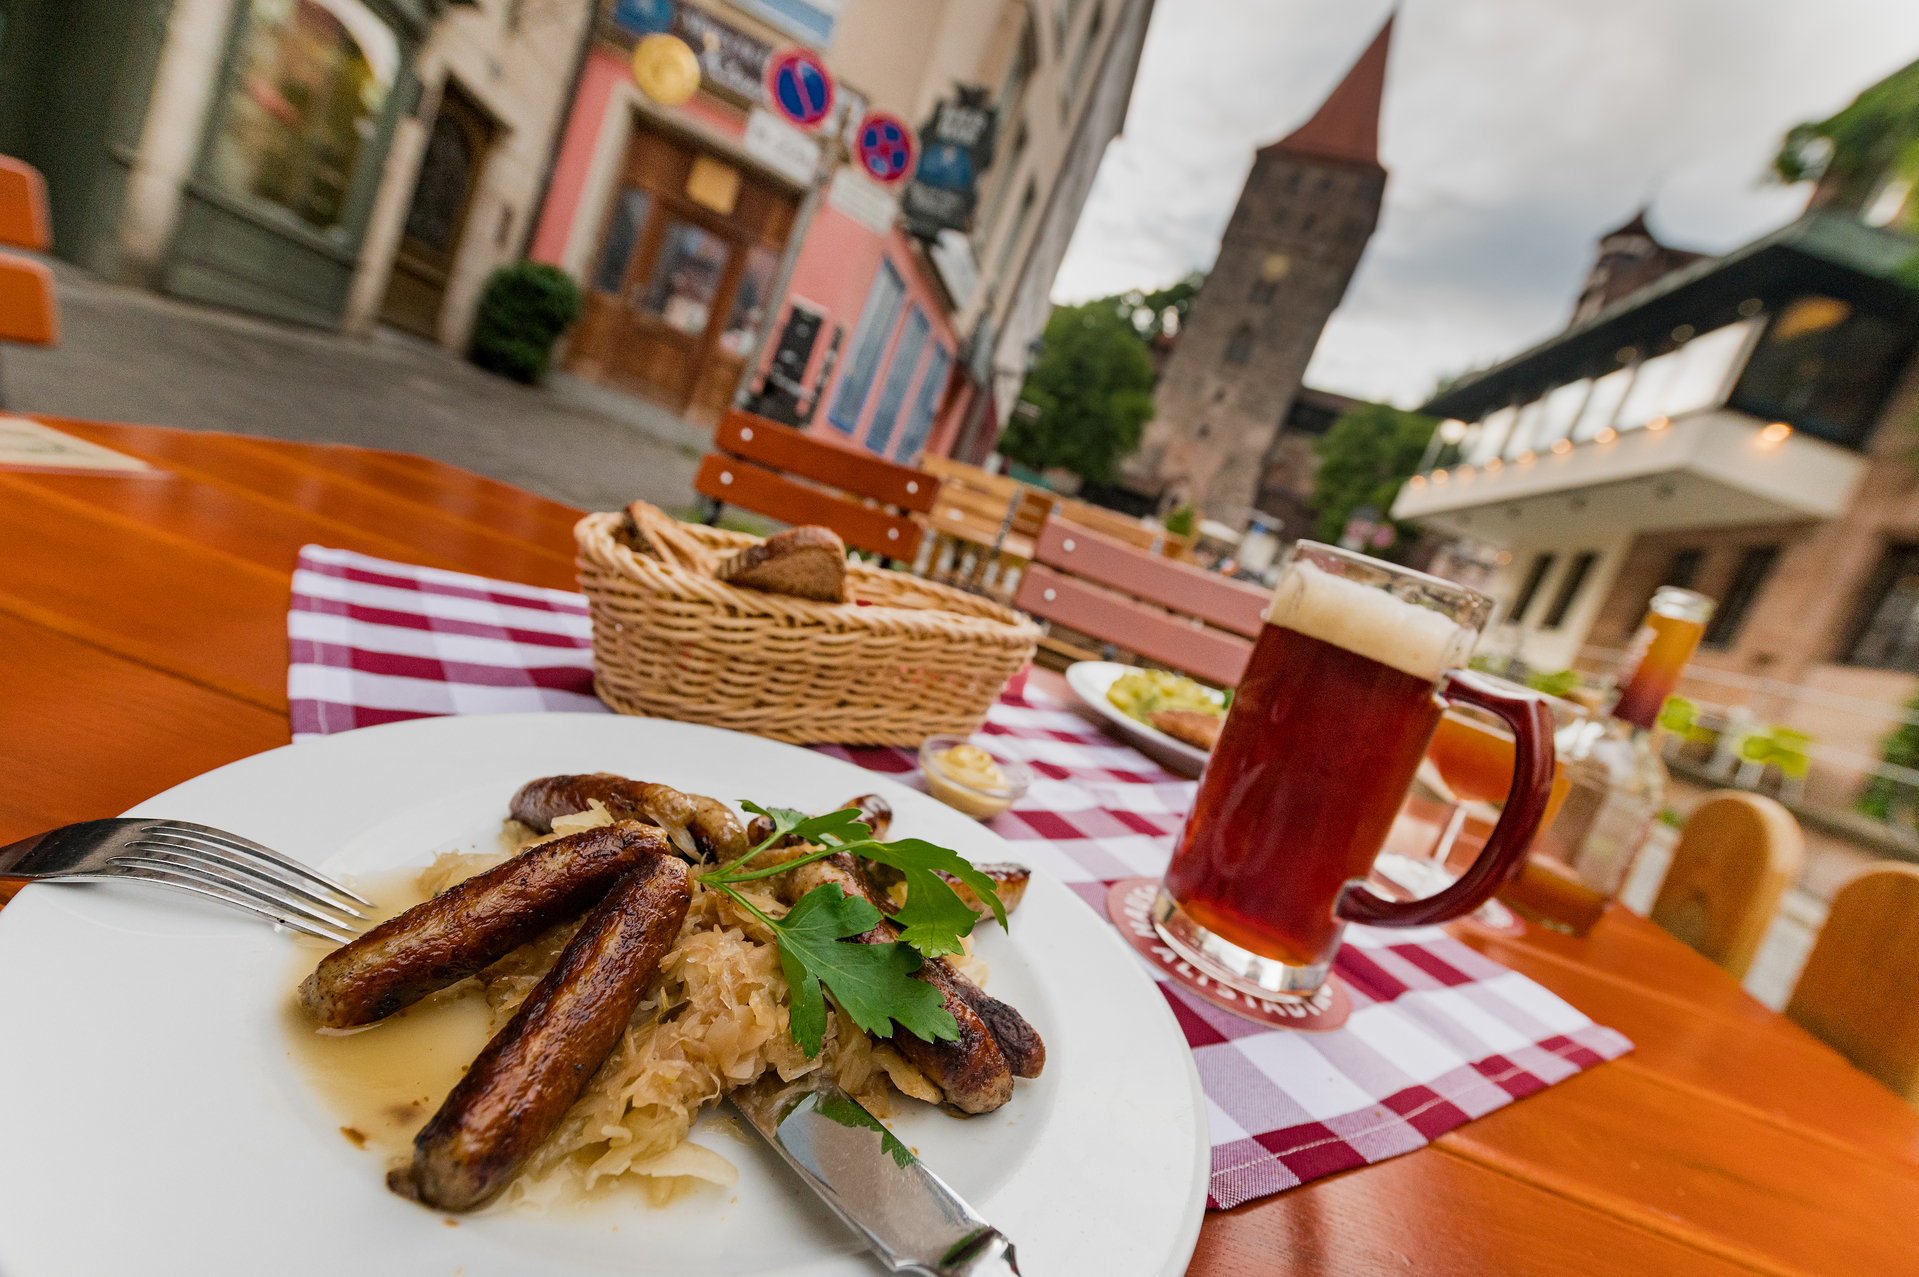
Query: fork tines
{"x":244,"y":874}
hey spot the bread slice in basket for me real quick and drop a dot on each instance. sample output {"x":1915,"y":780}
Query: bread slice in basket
{"x":807,"y":563}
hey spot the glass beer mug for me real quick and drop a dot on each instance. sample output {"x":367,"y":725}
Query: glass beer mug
{"x":1349,"y":677}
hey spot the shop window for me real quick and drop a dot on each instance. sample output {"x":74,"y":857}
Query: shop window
{"x":311,"y":81}
{"x":1535,"y":577}
{"x":1755,"y":565}
{"x":622,"y":231}
{"x":749,"y":303}
{"x":1681,"y":570}
{"x":1576,"y":574}
{"x":899,"y":376}
{"x":1825,"y":368}
{"x":1240,"y":349}
{"x":877,"y":317}
{"x":686,"y":277}
{"x":925,"y":404}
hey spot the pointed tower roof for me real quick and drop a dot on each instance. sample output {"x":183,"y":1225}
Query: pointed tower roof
{"x":1636,"y":227}
{"x":1346,"y":126}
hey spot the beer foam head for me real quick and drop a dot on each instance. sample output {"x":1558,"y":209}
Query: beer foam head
{"x":1369,"y":621}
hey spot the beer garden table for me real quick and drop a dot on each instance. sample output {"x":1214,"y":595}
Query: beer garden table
{"x":143,"y":633}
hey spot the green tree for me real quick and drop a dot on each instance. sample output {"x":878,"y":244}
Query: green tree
{"x":1090,"y":394}
{"x":1873,"y":140}
{"x":1161,"y":311}
{"x":1363,"y":459}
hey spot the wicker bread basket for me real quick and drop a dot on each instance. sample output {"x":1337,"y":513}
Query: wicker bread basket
{"x":901,"y":660}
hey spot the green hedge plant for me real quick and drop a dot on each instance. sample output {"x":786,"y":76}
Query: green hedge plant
{"x":523,"y":310}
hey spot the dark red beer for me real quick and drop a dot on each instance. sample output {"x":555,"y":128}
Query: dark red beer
{"x":1299,"y":794}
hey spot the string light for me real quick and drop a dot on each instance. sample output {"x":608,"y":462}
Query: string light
{"x":1416,"y":482}
{"x":1606,"y":436}
{"x":1495,"y":466}
{"x":1562,"y":446}
{"x":1659,"y":423}
{"x":1525,"y":458}
{"x":1439,"y":476}
{"x":1775,"y":433}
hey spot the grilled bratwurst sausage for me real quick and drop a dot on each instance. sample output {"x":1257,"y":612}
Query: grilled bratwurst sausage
{"x":699,"y":826}
{"x":875,"y":813}
{"x":473,"y":924}
{"x":528,"y":1076}
{"x":973,"y":1072}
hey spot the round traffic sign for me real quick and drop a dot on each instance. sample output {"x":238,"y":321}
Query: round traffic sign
{"x":885,"y":147}
{"x":799,"y":86}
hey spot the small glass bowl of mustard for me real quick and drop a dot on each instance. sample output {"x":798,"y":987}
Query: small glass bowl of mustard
{"x":969,"y":779}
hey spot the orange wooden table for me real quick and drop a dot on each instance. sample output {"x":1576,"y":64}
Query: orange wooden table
{"x":143,"y":641}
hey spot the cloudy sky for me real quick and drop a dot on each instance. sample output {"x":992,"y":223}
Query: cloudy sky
{"x":1515,"y":132}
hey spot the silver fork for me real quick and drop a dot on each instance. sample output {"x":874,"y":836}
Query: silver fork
{"x":208,"y":862}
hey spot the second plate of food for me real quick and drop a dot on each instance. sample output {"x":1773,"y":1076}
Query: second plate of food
{"x":1092,"y":682}
{"x":155,"y":1054}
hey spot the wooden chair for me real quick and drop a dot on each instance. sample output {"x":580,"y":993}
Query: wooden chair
{"x":1736,"y":856}
{"x":780,"y":472}
{"x":1166,"y":611}
{"x":983,"y":525}
{"x":27,"y":311}
{"x":1859,"y":992}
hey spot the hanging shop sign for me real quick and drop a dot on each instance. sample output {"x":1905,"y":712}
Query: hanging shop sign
{"x":644,"y":17}
{"x":956,"y":146}
{"x":666,"y":69}
{"x":732,"y":63}
{"x":799,"y":86}
{"x":884,"y":147}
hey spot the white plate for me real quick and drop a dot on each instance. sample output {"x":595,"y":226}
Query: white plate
{"x":153,"y":1123}
{"x":1090,"y":681}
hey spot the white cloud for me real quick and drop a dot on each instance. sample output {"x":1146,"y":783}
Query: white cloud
{"x":1515,"y":132}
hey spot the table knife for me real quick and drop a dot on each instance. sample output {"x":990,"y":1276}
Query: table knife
{"x":907,"y":1214}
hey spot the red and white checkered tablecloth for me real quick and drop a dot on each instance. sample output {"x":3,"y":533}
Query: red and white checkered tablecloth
{"x":1439,"y":1034}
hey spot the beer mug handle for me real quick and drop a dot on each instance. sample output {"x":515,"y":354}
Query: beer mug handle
{"x":1532,"y":727}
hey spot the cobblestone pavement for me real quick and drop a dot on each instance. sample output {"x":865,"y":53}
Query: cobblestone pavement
{"x":129,"y":355}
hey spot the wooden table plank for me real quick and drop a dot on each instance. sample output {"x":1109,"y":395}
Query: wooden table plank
{"x":1717,"y":1055}
{"x":148,"y":594}
{"x":1436,"y":1216}
{"x":321,"y":497}
{"x":89,"y":734}
{"x":1703,"y":1174}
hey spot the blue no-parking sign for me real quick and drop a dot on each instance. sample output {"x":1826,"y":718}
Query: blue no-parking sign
{"x":799,"y":86}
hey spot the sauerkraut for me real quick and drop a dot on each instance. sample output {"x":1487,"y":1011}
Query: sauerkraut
{"x":714,"y":1019}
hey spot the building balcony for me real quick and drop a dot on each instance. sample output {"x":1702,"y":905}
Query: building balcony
{"x":1714,"y":468}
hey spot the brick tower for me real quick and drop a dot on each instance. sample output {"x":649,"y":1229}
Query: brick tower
{"x":1303,"y":219}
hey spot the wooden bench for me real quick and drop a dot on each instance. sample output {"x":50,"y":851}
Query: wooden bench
{"x":1133,"y":532}
{"x":784,"y":474}
{"x":984,"y":526}
{"x":27,"y":311}
{"x":1168,"y":612}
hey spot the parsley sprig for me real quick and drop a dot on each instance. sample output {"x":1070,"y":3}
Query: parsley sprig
{"x":872,"y":983}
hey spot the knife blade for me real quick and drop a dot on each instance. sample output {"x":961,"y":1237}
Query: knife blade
{"x":906,"y":1213}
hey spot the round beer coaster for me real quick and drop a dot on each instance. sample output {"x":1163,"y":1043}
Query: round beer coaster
{"x":1129,"y":904}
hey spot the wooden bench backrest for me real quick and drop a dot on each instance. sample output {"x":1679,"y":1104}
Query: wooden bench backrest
{"x":1859,"y":992}
{"x":24,"y":221}
{"x":780,"y":472}
{"x":1736,"y":856}
{"x":1166,"y":611}
{"x":27,"y":311}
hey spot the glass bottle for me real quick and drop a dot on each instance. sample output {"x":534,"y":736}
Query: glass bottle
{"x":1579,"y":864}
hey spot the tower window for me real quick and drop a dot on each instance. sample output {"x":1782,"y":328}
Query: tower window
{"x":1240,"y":349}
{"x":1279,"y":217}
{"x":1292,"y":181}
{"x":1312,"y":220}
{"x":1264,"y":291}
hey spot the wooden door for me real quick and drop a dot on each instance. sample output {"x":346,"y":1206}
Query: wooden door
{"x":687,"y":259}
{"x":456,"y":151}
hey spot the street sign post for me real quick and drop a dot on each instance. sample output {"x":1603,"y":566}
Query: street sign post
{"x":884,"y":147}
